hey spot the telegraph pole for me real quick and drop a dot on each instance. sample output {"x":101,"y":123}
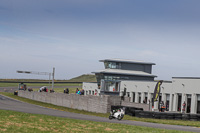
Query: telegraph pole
{"x":53,"y":78}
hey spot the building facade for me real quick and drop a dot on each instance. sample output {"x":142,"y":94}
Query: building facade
{"x":173,"y":93}
{"x":117,"y":70}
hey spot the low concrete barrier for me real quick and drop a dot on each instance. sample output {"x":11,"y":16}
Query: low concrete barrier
{"x":98,"y":104}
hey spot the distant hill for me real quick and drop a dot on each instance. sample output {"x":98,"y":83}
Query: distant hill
{"x":84,"y":78}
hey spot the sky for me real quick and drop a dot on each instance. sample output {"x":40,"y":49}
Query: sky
{"x":73,"y":35}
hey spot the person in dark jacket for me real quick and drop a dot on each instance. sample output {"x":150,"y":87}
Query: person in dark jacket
{"x":67,"y":91}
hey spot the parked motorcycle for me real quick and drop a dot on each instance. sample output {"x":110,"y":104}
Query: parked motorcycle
{"x":117,"y":114}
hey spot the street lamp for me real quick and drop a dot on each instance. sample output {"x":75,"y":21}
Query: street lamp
{"x":42,"y":73}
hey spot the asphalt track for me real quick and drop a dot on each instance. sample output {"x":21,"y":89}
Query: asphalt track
{"x":7,"y":103}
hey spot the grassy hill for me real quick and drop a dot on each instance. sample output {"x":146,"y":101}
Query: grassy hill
{"x":84,"y":78}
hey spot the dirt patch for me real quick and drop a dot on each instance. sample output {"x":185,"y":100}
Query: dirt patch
{"x":11,"y":116}
{"x":109,"y":129}
{"x":43,"y":128}
{"x":32,"y":116}
{"x":99,"y":125}
{"x":3,"y":130}
{"x":81,"y":125}
{"x":75,"y":129}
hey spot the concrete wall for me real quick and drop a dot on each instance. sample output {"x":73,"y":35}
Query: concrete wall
{"x":98,"y":104}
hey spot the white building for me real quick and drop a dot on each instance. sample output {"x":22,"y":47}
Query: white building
{"x":173,"y":93}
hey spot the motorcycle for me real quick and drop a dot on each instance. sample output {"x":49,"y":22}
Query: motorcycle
{"x":117,"y":114}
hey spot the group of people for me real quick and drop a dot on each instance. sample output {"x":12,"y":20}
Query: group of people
{"x":80,"y":92}
{"x":66,"y":91}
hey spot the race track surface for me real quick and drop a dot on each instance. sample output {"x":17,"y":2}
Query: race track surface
{"x":11,"y":104}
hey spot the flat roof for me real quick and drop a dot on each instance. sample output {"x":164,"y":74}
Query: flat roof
{"x":125,"y":72}
{"x":186,"y":77}
{"x":128,"y":61}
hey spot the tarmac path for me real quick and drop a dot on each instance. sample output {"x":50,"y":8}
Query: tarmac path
{"x":7,"y":103}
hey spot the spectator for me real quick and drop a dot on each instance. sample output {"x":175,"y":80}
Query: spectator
{"x":82,"y":92}
{"x":77,"y":90}
{"x":45,"y":89}
{"x":30,"y":89}
{"x":95,"y":92}
{"x":51,"y":91}
{"x":67,"y":91}
{"x":162,"y":106}
{"x":144,"y":101}
{"x":184,"y":105}
{"x":25,"y":87}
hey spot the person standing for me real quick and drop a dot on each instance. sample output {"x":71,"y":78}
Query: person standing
{"x":67,"y":91}
{"x":184,"y":105}
{"x":77,"y":90}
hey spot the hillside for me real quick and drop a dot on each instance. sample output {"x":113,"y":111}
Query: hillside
{"x":84,"y":78}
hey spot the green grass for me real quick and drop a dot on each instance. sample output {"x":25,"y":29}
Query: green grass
{"x":81,"y":78}
{"x":17,"y":122}
{"x":84,"y":78}
{"x":8,"y":84}
{"x":127,"y":117}
{"x":56,"y":84}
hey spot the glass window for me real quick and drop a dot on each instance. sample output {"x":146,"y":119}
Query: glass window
{"x":118,"y":65}
{"x":111,"y":86}
{"x":106,"y":64}
{"x":124,"y":78}
{"x":112,"y":65}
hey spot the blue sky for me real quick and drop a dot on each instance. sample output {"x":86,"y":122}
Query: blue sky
{"x":73,"y":35}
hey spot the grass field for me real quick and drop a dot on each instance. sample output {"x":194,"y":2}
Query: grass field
{"x":170,"y":122}
{"x":58,"y":87}
{"x":38,"y":84}
{"x":81,"y":78}
{"x":17,"y":122}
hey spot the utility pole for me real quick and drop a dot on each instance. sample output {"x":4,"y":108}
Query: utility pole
{"x":53,"y":78}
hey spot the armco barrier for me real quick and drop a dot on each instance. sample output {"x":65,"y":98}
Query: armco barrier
{"x":98,"y":104}
{"x":177,"y":116}
{"x":193,"y":117}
